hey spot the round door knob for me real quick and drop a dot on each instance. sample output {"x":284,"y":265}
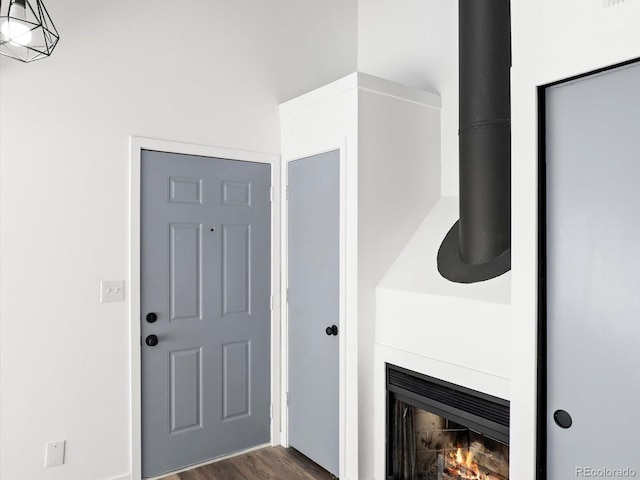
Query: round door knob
{"x":151,"y":317}
{"x":332,"y":330}
{"x":562,"y":418}
{"x":151,"y":340}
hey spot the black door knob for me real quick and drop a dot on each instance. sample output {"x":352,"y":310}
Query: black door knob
{"x":332,"y":330}
{"x":562,"y":418}
{"x":151,"y":340}
{"x":151,"y":317}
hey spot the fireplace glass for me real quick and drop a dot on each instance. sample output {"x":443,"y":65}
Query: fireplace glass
{"x":440,"y":431}
{"x":442,"y":449}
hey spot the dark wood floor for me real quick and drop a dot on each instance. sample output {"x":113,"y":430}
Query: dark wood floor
{"x":272,"y":463}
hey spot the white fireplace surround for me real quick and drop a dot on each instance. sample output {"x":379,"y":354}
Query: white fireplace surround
{"x":460,"y":333}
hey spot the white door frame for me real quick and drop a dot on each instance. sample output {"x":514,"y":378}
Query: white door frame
{"x":137,"y":144}
{"x":347,"y":343}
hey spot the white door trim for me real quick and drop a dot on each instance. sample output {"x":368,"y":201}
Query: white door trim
{"x":136,"y":145}
{"x":348,"y":343}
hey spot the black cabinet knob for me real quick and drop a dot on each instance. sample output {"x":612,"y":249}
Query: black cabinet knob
{"x":332,"y":330}
{"x":151,"y":317}
{"x":562,"y":419}
{"x":151,"y":340}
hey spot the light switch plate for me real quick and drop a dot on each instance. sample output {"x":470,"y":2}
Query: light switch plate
{"x":112,"y":291}
{"x":54,"y":454}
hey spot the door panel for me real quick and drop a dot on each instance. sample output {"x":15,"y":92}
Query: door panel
{"x":236,"y":263}
{"x":185,"y":261}
{"x":185,"y":387}
{"x":205,"y":262}
{"x":236,"y":382}
{"x":313,"y":256}
{"x":593,"y":272}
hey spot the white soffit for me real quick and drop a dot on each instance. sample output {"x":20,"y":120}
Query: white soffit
{"x":366,"y":82}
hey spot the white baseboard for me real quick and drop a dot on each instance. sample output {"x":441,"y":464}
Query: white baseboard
{"x":123,"y":477}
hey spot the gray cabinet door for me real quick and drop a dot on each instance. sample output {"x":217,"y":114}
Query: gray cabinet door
{"x":205,"y":274}
{"x":313,"y":257}
{"x":593,"y":274}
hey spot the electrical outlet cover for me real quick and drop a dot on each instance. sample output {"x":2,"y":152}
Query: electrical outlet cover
{"x":54,"y":454}
{"x":112,"y":291}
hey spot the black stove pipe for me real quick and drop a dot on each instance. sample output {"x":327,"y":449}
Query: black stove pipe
{"x":478,"y":246}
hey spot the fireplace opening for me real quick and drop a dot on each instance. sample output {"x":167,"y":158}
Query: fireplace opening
{"x":440,"y":431}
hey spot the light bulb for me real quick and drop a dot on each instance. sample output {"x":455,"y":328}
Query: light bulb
{"x":13,"y":28}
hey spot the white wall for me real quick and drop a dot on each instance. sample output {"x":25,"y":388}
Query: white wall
{"x":551,"y":41}
{"x":546,"y":27}
{"x":415,"y":42}
{"x":398,"y":182}
{"x":203,"y":72}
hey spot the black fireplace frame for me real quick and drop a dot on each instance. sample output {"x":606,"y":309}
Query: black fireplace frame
{"x":478,"y":411}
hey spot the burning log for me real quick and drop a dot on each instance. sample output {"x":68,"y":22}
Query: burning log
{"x":459,"y":466}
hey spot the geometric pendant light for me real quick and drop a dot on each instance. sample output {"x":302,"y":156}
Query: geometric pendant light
{"x":26,"y":30}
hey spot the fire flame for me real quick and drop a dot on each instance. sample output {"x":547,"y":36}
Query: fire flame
{"x":464,"y":466}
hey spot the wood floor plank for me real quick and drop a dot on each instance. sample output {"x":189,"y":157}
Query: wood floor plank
{"x":313,"y":469}
{"x":271,"y":463}
{"x":194,"y":474}
{"x":282,"y":460}
{"x":252,"y":467}
{"x":224,"y":470}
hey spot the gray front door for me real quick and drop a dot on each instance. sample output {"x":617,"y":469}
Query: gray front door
{"x":313,"y":257}
{"x":205,"y":300}
{"x":593,"y":276}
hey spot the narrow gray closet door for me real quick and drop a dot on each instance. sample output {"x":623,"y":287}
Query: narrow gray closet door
{"x":593,"y":274}
{"x":205,"y":299}
{"x":314,"y":254}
